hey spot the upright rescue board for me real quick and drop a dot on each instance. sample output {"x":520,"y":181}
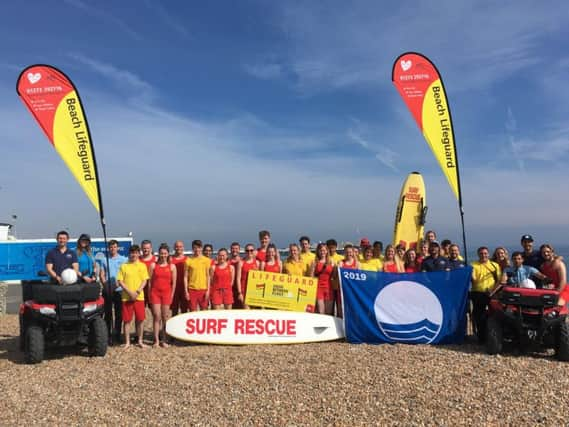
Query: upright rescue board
{"x":411,"y":212}
{"x":239,"y":327}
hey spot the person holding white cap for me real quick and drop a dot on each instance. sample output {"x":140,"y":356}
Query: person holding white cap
{"x":520,"y":275}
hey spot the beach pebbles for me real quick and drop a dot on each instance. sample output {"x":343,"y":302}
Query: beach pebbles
{"x":308,"y":384}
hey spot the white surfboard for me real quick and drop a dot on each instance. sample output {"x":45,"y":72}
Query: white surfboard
{"x":240,"y":327}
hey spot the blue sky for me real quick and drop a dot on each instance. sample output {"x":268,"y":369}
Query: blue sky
{"x":214,"y":121}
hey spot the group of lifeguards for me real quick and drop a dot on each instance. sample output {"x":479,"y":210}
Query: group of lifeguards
{"x":174,"y":283}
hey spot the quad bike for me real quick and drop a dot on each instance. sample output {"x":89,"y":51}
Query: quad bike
{"x":529,"y":318}
{"x":55,"y":316}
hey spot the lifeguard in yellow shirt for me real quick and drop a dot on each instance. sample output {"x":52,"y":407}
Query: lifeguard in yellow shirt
{"x":306,"y":256}
{"x":486,"y":276}
{"x":196,"y":278}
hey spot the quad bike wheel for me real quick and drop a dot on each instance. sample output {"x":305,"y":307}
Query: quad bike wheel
{"x":494,"y":336}
{"x":98,"y":338}
{"x":34,"y":344}
{"x":562,"y":349}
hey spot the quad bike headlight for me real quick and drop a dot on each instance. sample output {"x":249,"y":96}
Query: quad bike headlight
{"x":89,"y":308}
{"x":47,"y":311}
{"x":552,"y":314}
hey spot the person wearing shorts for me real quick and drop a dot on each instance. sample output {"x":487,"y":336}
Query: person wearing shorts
{"x":322,"y":268}
{"x":235,"y":260}
{"x":222,"y":276}
{"x":132,"y":278}
{"x":196,"y":278}
{"x":162,"y":287}
{"x":179,"y":301}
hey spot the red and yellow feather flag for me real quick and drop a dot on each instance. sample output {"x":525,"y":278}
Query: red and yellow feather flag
{"x":54,"y":102}
{"x":421,"y":87}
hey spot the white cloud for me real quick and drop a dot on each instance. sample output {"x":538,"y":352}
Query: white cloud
{"x":167,"y":18}
{"x":475,"y":44}
{"x":101,"y":13}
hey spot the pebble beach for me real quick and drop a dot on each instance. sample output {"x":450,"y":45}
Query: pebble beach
{"x":307,"y":384}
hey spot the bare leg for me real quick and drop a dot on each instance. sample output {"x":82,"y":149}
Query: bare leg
{"x":126,"y":326}
{"x":139,"y":333}
{"x":320,"y":308}
{"x":228,"y":306}
{"x":329,"y":307}
{"x":165,"y":316}
{"x":156,"y":323}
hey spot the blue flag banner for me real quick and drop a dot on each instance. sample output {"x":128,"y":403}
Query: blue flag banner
{"x":412,"y":308}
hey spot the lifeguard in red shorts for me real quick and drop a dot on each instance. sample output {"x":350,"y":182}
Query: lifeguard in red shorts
{"x":162,"y":287}
{"x":222,"y":276}
{"x":179,"y":301}
{"x":196,"y":277}
{"x":322,"y":269}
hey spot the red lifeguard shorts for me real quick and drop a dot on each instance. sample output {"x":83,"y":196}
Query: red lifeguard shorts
{"x":161,"y":296}
{"x":222,"y":296}
{"x":325,"y":294}
{"x":197,"y":298}
{"x":133,"y":308}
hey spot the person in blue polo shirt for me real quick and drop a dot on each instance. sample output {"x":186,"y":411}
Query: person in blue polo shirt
{"x":60,"y":258}
{"x":435,"y":262}
{"x":520,"y":275}
{"x":112,"y":292}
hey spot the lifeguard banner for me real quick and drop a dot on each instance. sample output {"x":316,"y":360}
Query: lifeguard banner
{"x":411,"y":308}
{"x":281,"y":291}
{"x":54,"y":102}
{"x":421,"y":87}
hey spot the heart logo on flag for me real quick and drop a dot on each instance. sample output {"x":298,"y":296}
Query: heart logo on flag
{"x":34,"y":78}
{"x":405,"y":65}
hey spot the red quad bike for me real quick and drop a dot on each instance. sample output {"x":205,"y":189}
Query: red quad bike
{"x":529,"y":318}
{"x":57,"y":316}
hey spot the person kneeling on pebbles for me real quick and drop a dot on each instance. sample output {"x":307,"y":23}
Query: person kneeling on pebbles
{"x":132,"y":277}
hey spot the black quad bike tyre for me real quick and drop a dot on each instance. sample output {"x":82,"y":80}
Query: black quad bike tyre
{"x":98,"y":337}
{"x":22,"y":340}
{"x":34,"y":344}
{"x":562,"y":349}
{"x":494,"y":336}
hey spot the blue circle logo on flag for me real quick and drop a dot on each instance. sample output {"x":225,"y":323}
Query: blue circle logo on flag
{"x":408,"y":312}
